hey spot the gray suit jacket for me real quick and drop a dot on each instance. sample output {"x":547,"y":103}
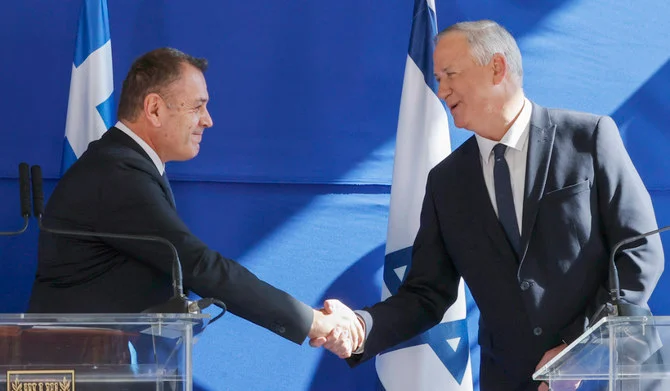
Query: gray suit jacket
{"x":582,"y":195}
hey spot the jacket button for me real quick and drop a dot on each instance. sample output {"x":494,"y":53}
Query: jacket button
{"x":537,"y":331}
{"x":525,"y":285}
{"x":278,"y":328}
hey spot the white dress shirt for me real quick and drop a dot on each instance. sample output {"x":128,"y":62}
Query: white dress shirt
{"x":516,"y":140}
{"x":160,"y":166}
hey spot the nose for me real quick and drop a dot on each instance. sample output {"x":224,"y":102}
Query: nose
{"x":206,"y":120}
{"x":443,"y":89}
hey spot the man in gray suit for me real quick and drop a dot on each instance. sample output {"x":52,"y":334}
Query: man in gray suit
{"x":526,"y":211}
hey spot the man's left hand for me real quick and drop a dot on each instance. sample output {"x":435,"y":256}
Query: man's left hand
{"x":548,"y":356}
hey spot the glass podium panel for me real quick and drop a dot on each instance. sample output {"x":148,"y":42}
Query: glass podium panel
{"x":616,"y":354}
{"x":63,"y":352}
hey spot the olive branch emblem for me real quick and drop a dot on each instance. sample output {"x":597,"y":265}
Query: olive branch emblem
{"x":64,"y":385}
{"x":17,"y":386}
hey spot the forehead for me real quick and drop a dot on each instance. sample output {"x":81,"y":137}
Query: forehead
{"x":190,"y":85}
{"x":452,"y":48}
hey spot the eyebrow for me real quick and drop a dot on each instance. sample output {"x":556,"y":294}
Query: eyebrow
{"x":443,"y":70}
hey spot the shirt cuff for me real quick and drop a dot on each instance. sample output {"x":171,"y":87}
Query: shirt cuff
{"x":367,"y":322}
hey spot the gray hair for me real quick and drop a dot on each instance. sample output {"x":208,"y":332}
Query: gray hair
{"x":487,"y":38}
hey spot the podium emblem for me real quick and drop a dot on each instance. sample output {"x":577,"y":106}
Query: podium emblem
{"x":40,"y":380}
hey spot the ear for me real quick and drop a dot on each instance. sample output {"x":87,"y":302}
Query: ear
{"x":499,"y":64}
{"x":152,"y":105}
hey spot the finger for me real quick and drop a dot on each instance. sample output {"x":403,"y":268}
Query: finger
{"x":333,"y":340}
{"x":344,"y":355}
{"x":317,"y":342}
{"x":543,"y":361}
{"x":359,"y":332}
{"x":345,"y":350}
{"x":340,"y":346}
{"x":356,"y":337}
{"x":330,"y":305}
{"x":354,"y":341}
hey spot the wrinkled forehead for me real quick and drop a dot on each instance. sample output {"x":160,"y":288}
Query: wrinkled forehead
{"x":452,"y":46}
{"x":190,"y":85}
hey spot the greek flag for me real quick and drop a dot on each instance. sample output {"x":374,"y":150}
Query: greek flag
{"x":89,"y":108}
{"x":439,"y":359}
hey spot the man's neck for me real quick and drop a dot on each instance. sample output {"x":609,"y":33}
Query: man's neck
{"x":509,"y":113}
{"x":138,"y":129}
{"x":512,"y":109}
{"x":125,"y":127}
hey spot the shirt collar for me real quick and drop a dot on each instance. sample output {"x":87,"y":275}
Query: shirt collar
{"x":515,"y":137}
{"x":160,"y":166}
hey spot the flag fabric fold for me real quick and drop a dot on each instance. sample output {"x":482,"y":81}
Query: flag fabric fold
{"x":90,"y":105}
{"x":439,"y":359}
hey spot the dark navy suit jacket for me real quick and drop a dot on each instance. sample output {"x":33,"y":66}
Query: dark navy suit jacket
{"x":582,"y":195}
{"x":115,"y":187}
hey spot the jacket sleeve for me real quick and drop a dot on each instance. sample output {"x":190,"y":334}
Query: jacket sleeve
{"x":430,"y":288}
{"x":625,"y":210}
{"x":135,"y":202}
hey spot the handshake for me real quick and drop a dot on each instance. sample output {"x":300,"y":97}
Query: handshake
{"x":337,"y":328}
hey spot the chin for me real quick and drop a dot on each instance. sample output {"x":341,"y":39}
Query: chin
{"x":187,"y":156}
{"x":195,"y":151}
{"x":460,"y":124}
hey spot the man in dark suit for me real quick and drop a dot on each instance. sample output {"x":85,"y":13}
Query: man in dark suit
{"x":526,"y":211}
{"x":119,"y":186}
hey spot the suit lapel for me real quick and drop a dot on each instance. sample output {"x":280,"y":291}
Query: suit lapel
{"x":115,"y":135}
{"x":540,"y":143}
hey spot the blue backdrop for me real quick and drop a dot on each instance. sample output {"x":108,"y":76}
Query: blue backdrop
{"x":294,"y":178}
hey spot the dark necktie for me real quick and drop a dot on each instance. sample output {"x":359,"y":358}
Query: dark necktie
{"x":167,"y":182}
{"x":504,"y":199}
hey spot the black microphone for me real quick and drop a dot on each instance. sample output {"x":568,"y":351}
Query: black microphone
{"x":24,"y":194}
{"x":619,"y":307}
{"x":637,"y":344}
{"x":615,"y":306}
{"x":179,"y":303}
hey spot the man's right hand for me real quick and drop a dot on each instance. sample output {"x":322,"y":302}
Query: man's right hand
{"x":337,"y":328}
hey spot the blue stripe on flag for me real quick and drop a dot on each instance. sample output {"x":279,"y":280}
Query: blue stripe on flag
{"x":455,"y":361}
{"x":422,"y":41}
{"x":105,"y":110}
{"x":93,"y":29}
{"x":69,"y":156}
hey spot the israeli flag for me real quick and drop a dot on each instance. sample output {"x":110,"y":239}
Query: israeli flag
{"x":439,"y":359}
{"x":90,"y":106}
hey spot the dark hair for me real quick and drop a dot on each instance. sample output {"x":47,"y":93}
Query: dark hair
{"x":152,"y":73}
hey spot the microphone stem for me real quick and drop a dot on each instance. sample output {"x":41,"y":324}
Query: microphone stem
{"x":177,"y":277}
{"x":26,"y":219}
{"x":615,"y":291}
